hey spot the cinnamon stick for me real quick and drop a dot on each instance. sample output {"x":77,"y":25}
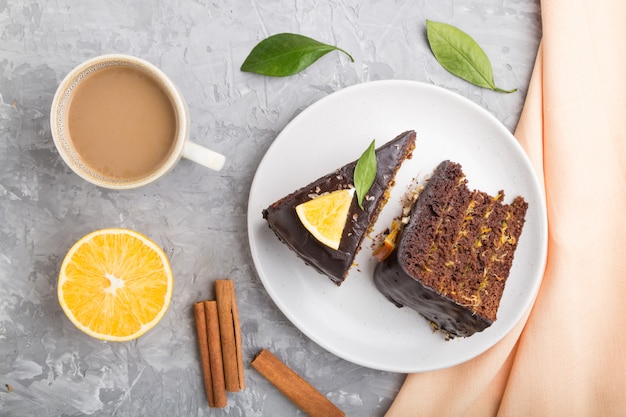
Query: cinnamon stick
{"x":215,"y":353}
{"x":299,"y":391}
{"x":230,"y":335}
{"x":238,"y":341}
{"x":201,"y":330}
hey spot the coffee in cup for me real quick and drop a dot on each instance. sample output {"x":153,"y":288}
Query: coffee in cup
{"x":119,"y":122}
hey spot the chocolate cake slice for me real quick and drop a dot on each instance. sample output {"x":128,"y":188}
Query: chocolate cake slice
{"x":283,"y":220}
{"x":454,"y":255}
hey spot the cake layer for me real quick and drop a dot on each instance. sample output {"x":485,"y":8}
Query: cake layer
{"x":454,"y":255}
{"x":283,"y":220}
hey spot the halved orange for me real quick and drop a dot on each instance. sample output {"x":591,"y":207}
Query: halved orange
{"x":325,"y":216}
{"x":115,"y":284}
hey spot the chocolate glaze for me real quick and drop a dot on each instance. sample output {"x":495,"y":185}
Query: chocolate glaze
{"x":403,"y":290}
{"x":283,"y":220}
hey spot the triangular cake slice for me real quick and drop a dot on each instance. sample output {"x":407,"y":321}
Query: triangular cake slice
{"x":454,"y":255}
{"x":283,"y":220}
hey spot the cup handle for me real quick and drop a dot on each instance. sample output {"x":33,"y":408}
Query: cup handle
{"x":203,"y":156}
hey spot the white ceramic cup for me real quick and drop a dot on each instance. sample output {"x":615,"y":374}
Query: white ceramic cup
{"x":182,"y":146}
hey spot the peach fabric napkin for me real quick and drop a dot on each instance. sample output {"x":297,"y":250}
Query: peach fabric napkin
{"x":567,"y":357}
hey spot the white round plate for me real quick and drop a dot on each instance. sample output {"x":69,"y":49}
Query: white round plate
{"x":355,"y":321}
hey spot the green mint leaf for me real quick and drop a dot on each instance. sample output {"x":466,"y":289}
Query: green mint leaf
{"x":365,"y":173}
{"x":286,"y":54}
{"x":458,"y":53}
